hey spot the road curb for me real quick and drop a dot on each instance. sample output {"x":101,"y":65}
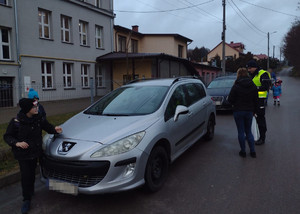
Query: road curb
{"x":10,"y":178}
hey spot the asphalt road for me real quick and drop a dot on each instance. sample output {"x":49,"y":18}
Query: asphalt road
{"x":209,"y":178}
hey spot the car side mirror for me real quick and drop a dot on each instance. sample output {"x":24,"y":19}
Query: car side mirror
{"x":180,"y":109}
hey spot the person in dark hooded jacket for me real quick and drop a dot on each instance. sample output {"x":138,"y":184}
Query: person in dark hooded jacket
{"x":24,"y":135}
{"x":244,"y":99}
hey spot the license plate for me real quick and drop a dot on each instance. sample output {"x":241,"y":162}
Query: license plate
{"x":218,"y":103}
{"x":63,"y":187}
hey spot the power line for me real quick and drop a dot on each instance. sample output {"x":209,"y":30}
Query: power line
{"x":270,"y":9}
{"x":164,"y":11}
{"x":251,"y":24}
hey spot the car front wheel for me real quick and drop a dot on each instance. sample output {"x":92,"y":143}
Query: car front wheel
{"x":156,"y":169}
{"x":210,"y":129}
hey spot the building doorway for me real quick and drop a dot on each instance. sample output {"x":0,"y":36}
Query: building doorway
{"x":6,"y":92}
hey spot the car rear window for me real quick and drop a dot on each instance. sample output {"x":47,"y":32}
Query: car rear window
{"x":223,"y":83}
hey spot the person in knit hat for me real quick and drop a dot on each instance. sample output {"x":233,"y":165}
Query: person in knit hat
{"x":32,"y":94}
{"x":24,"y":135}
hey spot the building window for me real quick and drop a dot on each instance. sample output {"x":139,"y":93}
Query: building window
{"x":99,"y":76}
{"x":44,"y":24}
{"x":122,"y":44}
{"x":98,"y":3}
{"x":180,"y":51}
{"x":99,"y":37}
{"x":85,"y":76}
{"x":47,"y":75}
{"x":83,"y":33}
{"x":4,"y":44}
{"x":4,"y":2}
{"x":67,"y":75}
{"x":65,"y":24}
{"x":134,"y":46}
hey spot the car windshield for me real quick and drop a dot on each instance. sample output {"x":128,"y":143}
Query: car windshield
{"x":131,"y":100}
{"x":222,"y":83}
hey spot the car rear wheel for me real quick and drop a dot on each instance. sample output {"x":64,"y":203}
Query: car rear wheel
{"x":156,"y":169}
{"x":210,"y":129}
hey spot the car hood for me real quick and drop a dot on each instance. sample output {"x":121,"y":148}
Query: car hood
{"x":104,"y":129}
{"x":218,"y":91}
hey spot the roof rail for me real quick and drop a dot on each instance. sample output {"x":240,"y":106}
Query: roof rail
{"x":186,"y":77}
{"x":139,"y":80}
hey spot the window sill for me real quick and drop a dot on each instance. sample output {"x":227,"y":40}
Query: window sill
{"x":67,"y":89}
{"x":69,"y":43}
{"x":85,"y":88}
{"x":47,"y":39}
{"x":86,"y":46}
{"x":49,"y":89}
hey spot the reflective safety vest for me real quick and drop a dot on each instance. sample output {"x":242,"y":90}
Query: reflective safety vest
{"x":256,"y":80}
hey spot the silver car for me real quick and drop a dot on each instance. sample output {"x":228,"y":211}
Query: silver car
{"x":129,"y":137}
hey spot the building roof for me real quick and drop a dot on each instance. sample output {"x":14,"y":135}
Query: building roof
{"x":175,"y":35}
{"x":234,"y":46}
{"x":121,"y":55}
{"x":261,"y":56}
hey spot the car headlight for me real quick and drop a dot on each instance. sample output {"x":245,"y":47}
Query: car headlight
{"x":46,"y":140}
{"x":121,"y":146}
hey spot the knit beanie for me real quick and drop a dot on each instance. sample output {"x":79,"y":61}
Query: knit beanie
{"x":26,"y":104}
{"x":252,"y":64}
{"x":33,"y":94}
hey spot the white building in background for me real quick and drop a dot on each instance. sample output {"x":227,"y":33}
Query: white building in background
{"x":51,"y":46}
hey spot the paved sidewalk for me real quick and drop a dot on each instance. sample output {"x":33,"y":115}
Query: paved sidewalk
{"x":51,"y":108}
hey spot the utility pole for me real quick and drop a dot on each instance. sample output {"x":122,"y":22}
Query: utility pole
{"x":223,"y":39}
{"x":268,"y":63}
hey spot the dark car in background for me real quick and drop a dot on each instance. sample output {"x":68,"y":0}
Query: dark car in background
{"x":219,"y":90}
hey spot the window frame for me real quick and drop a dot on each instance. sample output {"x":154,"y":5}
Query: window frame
{"x":5,"y":44}
{"x":5,"y":2}
{"x":64,"y":29}
{"x":83,"y":32}
{"x":45,"y":74}
{"x":180,"y":51}
{"x":121,"y":40}
{"x":42,"y":25}
{"x":67,"y":67}
{"x":98,"y":3}
{"x":99,"y":77}
{"x":84,"y":75}
{"x":134,"y":46}
{"x":99,"y":30}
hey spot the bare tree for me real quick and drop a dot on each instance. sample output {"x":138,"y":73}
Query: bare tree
{"x":291,"y":45}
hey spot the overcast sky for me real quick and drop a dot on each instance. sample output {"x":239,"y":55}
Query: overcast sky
{"x":247,"y":21}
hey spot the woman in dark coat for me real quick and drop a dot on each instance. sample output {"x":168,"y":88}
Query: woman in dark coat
{"x":244,"y":99}
{"x":24,"y":135}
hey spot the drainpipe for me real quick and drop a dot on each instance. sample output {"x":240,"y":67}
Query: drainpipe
{"x":18,"y":49}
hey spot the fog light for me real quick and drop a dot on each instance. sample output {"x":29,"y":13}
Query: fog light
{"x":129,"y":170}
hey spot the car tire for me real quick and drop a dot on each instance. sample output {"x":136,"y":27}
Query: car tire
{"x":210,"y":132}
{"x":157,"y":169}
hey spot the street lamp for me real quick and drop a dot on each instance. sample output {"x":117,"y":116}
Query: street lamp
{"x":268,"y":64}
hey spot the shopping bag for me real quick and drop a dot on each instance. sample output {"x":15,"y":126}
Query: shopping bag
{"x":254,"y":129}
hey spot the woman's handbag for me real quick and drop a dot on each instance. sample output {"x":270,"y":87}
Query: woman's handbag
{"x":254,"y":129}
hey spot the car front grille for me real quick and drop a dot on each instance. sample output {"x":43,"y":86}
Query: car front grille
{"x":80,"y":173}
{"x":79,"y":180}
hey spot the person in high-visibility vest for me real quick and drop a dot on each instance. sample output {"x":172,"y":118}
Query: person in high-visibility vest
{"x":262,"y":80}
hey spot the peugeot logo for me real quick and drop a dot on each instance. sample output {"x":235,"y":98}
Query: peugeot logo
{"x":65,"y":147}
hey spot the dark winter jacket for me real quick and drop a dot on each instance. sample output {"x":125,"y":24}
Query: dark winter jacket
{"x":243,"y":95}
{"x":28,"y":130}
